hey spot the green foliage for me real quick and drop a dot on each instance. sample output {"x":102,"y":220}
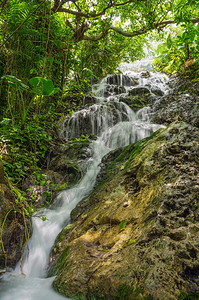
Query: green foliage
{"x":20,"y":104}
{"x":42,"y":180}
{"x":169,"y":42}
{"x":123,"y":292}
{"x":42,"y":86}
{"x":15,"y":82}
{"x":122,"y":225}
{"x":57,"y":45}
{"x":180,"y":51}
{"x":193,"y":296}
{"x":130,"y":242}
{"x":26,"y":147}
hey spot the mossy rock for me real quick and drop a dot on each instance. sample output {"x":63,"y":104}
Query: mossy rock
{"x":12,"y":228}
{"x":149,"y":186}
{"x":66,"y":159}
{"x":188,"y":86}
{"x":137,"y":101}
{"x":191,"y":296}
{"x":60,"y":264}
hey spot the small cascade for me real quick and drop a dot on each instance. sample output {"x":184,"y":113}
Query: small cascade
{"x":44,"y":232}
{"x":96,"y":119}
{"x":142,"y":72}
{"x":115,"y":125}
{"x":121,"y":80}
{"x":144,"y":114}
{"x":101,"y":119}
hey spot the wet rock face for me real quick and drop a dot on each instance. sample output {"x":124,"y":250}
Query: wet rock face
{"x":94,"y":119}
{"x":138,"y":235}
{"x":157,"y":91}
{"x":122,"y":80}
{"x":64,"y":170}
{"x":187,"y":86}
{"x":145,"y":74}
{"x":114,"y":90}
{"x":176,"y":107}
{"x":137,"y":98}
{"x":139,"y":91}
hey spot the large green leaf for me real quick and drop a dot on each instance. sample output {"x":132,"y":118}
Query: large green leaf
{"x":15,"y":82}
{"x":48,"y":87}
{"x":35,"y":81}
{"x":41,"y":86}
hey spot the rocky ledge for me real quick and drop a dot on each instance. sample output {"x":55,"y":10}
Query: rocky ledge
{"x":137,"y":235}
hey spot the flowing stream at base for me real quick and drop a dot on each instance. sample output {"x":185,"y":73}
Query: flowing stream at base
{"x":116,"y":125}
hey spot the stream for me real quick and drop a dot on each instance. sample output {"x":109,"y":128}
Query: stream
{"x":116,"y":125}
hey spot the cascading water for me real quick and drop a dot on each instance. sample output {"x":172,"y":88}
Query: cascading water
{"x":116,"y":125}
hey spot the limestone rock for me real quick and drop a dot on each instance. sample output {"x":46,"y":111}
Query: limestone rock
{"x":145,"y":74}
{"x":176,"y":107}
{"x":114,"y":90}
{"x":137,"y":236}
{"x":139,"y":91}
{"x":137,"y":98}
{"x":64,"y":170}
{"x":120,"y":80}
{"x":157,"y":91}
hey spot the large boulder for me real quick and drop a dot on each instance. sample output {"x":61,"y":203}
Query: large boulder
{"x":145,"y":74}
{"x":65,"y":169}
{"x":176,"y":107}
{"x":111,"y":90}
{"x":137,"y":235}
{"x":157,"y":91}
{"x":187,"y":86}
{"x":137,"y":98}
{"x":122,"y":80}
{"x":139,"y":91}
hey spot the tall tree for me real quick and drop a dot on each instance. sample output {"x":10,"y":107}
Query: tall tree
{"x":137,"y":16}
{"x":49,"y":38}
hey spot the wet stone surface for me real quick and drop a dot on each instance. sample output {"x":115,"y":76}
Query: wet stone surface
{"x":154,"y":191}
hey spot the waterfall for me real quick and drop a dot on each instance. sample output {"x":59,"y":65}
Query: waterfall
{"x":115,"y":125}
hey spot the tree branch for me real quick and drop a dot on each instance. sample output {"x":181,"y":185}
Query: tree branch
{"x":127,"y":2}
{"x":141,"y":31}
{"x":146,"y":29}
{"x":96,"y":37}
{"x":70,"y":11}
{"x":89,"y":15}
{"x":58,"y":4}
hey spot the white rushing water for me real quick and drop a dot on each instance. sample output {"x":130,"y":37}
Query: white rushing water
{"x":116,"y":125}
{"x":32,"y":284}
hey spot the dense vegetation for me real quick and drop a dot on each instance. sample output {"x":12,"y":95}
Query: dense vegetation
{"x":52,"y":51}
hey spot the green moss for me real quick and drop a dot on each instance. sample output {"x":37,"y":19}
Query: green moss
{"x":62,"y":235}
{"x":137,"y":101}
{"x":138,"y":291}
{"x":60,"y":264}
{"x":123,"y":291}
{"x":128,"y":154}
{"x":192,"y":296}
{"x":126,"y":292}
{"x":2,"y":260}
{"x":63,"y":289}
{"x":89,"y":297}
{"x":137,"y":148}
